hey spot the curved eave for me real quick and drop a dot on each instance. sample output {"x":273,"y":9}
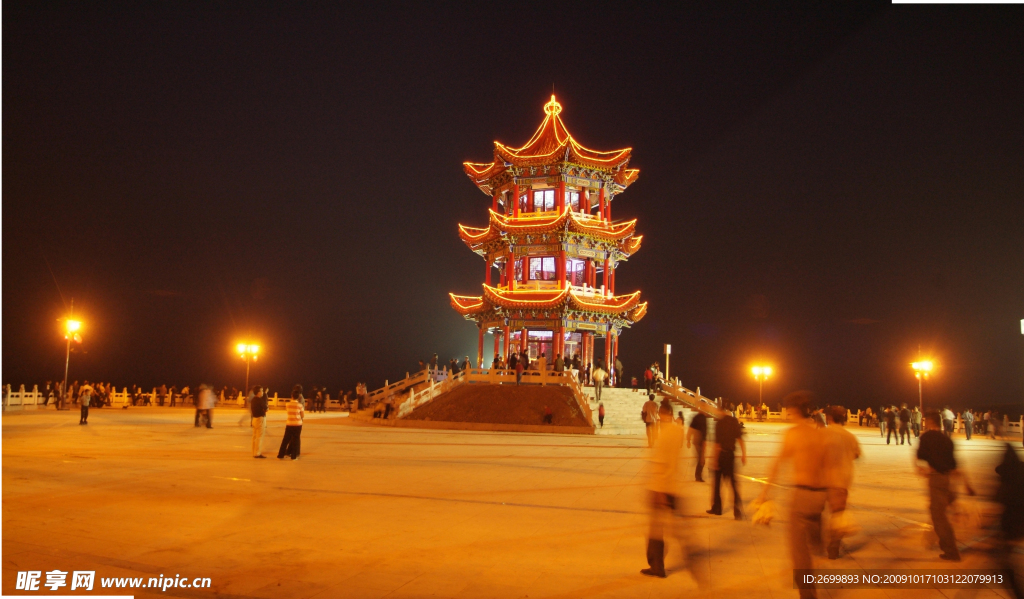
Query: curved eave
{"x":525,"y":299}
{"x":475,"y":237}
{"x":627,"y":176}
{"x":528,"y":222}
{"x":602,"y":229}
{"x":467,"y":305}
{"x":631,"y":245}
{"x":608,"y":305}
{"x":638,"y":312}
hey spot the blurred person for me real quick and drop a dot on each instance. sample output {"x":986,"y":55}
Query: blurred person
{"x":649,"y":413}
{"x":804,"y":446}
{"x":600,"y":413}
{"x":599,"y":376}
{"x":936,"y":448}
{"x":1010,"y":495}
{"x":291,"y":444}
{"x":519,"y":368}
{"x":467,"y":365}
{"x":548,"y":415}
{"x":905,"y":417}
{"x":883,"y":414}
{"x":258,"y":409}
{"x":728,"y":433}
{"x":663,"y":494}
{"x":542,"y":363}
{"x":85,"y":396}
{"x":620,"y":378}
{"x":947,"y":421}
{"x":648,"y":379}
{"x":696,"y":435}
{"x":890,"y":425}
{"x":968,"y":423}
{"x":841,"y":449}
{"x":916,"y":418}
{"x":559,"y":364}
{"x":206,"y":402}
{"x":161,"y":394}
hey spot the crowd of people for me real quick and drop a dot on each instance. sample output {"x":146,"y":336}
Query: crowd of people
{"x":820,"y":454}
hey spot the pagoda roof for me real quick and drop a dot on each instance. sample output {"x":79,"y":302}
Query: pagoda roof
{"x":544,"y":222}
{"x":547,"y":299}
{"x":551,"y":144}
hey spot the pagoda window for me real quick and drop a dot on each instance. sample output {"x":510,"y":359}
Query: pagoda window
{"x":544,"y":200}
{"x":575,"y":272}
{"x":522,"y":203}
{"x":542,"y":268}
{"x":573,"y":199}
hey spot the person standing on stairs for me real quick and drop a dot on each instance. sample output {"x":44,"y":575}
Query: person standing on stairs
{"x":600,"y":413}
{"x":650,"y":417}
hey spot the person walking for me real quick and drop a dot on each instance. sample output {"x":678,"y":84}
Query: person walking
{"x":890,"y":425}
{"x":662,"y":494}
{"x":649,"y":414}
{"x":599,"y":376}
{"x":258,"y":409}
{"x":883,"y":414}
{"x":916,"y":418}
{"x":841,"y":449}
{"x":291,"y":444}
{"x":947,"y":421}
{"x":905,"y":417}
{"x":207,"y":401}
{"x":85,"y":396}
{"x":648,"y":379}
{"x":803,"y":446}
{"x":697,"y":434}
{"x":968,"y":423}
{"x":519,"y":371}
{"x":620,"y":378}
{"x":600,"y":413}
{"x":727,"y":434}
{"x":936,"y":449}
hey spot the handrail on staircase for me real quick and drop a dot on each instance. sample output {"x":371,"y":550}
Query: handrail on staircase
{"x":693,"y":399}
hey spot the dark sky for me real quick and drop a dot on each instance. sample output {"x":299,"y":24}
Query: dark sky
{"x":822,"y":189}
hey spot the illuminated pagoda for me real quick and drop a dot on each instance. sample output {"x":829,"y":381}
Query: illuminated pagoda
{"x":554,"y":245}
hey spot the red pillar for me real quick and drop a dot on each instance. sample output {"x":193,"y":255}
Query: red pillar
{"x":515,"y":200}
{"x":584,"y":200}
{"x":608,"y":210}
{"x":560,"y":196}
{"x":611,"y":285}
{"x":510,"y":271}
{"x":561,"y":274}
{"x":523,"y":337}
{"x":480,"y":349}
{"x":487,"y":262}
{"x":601,"y":201}
{"x":494,"y":201}
{"x":497,"y":345}
{"x":607,"y":349}
{"x":606,"y":275}
{"x":506,"y":338}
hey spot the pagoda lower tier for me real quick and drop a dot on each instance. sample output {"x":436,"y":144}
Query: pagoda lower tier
{"x":552,"y":322}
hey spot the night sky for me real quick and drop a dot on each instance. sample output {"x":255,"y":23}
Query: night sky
{"x":823,"y":190}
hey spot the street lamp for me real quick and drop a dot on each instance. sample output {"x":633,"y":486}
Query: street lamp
{"x":71,"y":328}
{"x":250,"y":353}
{"x":761,"y":374}
{"x":921,"y":371}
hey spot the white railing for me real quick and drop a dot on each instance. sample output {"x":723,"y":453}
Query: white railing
{"x":35,"y":399}
{"x":424,"y":386}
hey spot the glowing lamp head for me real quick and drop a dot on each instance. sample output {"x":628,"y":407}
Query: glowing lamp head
{"x":240,"y":348}
{"x":761,"y":372}
{"x":924,"y":366}
{"x":73,"y":326}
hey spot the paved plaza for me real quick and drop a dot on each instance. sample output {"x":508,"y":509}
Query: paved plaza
{"x":374,"y":511}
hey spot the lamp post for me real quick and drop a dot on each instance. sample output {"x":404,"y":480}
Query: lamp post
{"x":921,"y":370}
{"x":761,"y":374}
{"x":250,"y":353}
{"x":71,"y":328}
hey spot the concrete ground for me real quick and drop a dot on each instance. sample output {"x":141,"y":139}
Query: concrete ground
{"x":382,"y":512}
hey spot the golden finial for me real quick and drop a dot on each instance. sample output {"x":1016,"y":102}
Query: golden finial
{"x":553,"y":107}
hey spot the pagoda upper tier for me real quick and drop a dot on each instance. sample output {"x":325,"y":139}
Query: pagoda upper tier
{"x":579,"y":229}
{"x":553,"y":151}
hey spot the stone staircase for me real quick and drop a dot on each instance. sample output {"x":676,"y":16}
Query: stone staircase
{"x":622,"y":410}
